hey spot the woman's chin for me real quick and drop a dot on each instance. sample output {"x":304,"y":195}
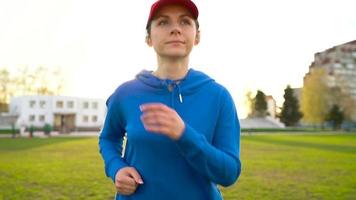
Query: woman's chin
{"x":175,"y":54}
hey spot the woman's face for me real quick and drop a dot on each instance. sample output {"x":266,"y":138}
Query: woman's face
{"x":173,"y":32}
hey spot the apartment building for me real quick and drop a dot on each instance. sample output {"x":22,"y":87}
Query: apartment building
{"x":64,"y":113}
{"x":340,"y":65}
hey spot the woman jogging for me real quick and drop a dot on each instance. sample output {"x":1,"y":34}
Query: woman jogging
{"x":182,"y":129}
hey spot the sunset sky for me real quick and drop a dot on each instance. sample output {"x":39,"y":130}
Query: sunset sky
{"x":245,"y":45}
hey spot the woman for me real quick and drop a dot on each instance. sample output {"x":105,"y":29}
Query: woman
{"x":183,"y":134}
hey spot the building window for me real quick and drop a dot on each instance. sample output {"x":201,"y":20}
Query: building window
{"x":59,"y":104}
{"x":350,"y":66}
{"x":42,"y":104}
{"x":32,"y":103}
{"x":31,"y":118}
{"x":337,"y":65}
{"x":41,"y":118}
{"x":95,"y":105}
{"x":94,"y":118}
{"x":70,"y":104}
{"x":85,"y":105}
{"x":85,"y":118}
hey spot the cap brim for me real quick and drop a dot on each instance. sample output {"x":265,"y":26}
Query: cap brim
{"x":189,"y":5}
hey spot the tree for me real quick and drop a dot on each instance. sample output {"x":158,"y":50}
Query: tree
{"x":47,"y":82}
{"x":314,"y":105}
{"x":260,"y":104}
{"x":39,"y":81}
{"x":335,"y":116}
{"x":5,"y":88}
{"x":290,"y":114}
{"x":4,"y":107}
{"x":344,"y":100}
{"x":31,"y":131}
{"x":47,"y":128}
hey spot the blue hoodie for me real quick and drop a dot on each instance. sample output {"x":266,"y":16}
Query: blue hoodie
{"x":207,"y":154}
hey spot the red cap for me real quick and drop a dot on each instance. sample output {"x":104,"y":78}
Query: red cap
{"x":188,"y":4}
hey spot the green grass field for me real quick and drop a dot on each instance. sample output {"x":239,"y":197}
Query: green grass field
{"x":275,"y":166}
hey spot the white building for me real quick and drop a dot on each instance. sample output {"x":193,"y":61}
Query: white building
{"x":64,"y":113}
{"x":271,"y":106}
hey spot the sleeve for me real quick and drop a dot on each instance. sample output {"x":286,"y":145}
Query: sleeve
{"x":111,"y":139}
{"x":219,"y":161}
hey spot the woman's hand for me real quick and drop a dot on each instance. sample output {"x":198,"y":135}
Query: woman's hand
{"x":159,"y":118}
{"x":127,"y":180}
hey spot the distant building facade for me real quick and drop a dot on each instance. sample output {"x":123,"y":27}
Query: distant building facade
{"x":7,"y":121}
{"x":65,"y":114}
{"x":271,"y":106}
{"x":340,"y":65}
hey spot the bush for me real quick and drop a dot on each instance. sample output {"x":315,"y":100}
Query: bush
{"x":47,"y":128}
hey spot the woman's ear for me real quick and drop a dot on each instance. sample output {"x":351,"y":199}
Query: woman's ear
{"x":148,"y":41}
{"x":197,"y":38}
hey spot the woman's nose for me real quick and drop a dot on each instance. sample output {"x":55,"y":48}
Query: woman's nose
{"x":176,"y":29}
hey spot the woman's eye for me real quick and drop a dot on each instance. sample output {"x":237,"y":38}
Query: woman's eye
{"x":185,"y":22}
{"x":163,"y":22}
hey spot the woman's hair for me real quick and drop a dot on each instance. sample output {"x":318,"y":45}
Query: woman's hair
{"x":148,"y":27}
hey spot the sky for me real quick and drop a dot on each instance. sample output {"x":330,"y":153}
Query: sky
{"x":245,"y":45}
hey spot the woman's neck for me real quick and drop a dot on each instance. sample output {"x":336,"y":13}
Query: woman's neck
{"x":173,"y":69}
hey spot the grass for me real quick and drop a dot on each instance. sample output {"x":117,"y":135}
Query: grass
{"x":8,"y":131}
{"x":275,"y":166}
{"x":297,"y":167}
{"x":55,"y":168}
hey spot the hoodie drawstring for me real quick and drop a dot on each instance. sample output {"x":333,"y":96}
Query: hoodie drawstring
{"x":171,"y":87}
{"x":179,"y":93}
{"x":189,"y":84}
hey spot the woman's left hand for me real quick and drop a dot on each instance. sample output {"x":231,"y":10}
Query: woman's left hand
{"x":161,"y":119}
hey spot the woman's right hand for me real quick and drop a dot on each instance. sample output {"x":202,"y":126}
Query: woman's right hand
{"x":126,"y":180}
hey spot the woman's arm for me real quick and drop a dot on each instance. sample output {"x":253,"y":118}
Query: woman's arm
{"x":219,"y":161}
{"x":111,"y":139}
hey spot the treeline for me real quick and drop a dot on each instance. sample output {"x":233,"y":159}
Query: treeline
{"x":327,"y":99}
{"x":29,"y":81}
{"x":289,"y":114}
{"x":321,"y":103}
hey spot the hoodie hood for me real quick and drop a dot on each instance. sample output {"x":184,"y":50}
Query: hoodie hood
{"x":191,"y":83}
